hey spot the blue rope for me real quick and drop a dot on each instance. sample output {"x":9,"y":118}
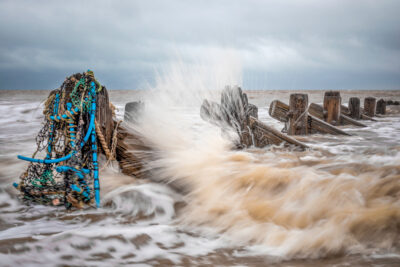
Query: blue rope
{"x":81,"y":175}
{"x":94,"y":148}
{"x":50,"y":161}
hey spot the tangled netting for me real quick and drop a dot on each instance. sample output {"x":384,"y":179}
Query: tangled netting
{"x":68,"y":175}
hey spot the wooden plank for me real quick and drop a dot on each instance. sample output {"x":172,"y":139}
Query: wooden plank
{"x":274,"y":136}
{"x":320,"y":126}
{"x":349,"y":121}
{"x":279,"y":110}
{"x":317,"y":111}
{"x":366,"y":117}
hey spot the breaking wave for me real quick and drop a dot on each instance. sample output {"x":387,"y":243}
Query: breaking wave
{"x":321,"y":202}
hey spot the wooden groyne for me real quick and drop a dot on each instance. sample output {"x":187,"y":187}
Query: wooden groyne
{"x":279,"y":110}
{"x":234,"y":111}
{"x":319,"y":112}
{"x":324,"y":118}
{"x":81,"y":129}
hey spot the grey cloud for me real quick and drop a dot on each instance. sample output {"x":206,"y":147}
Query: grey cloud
{"x":282,"y":44}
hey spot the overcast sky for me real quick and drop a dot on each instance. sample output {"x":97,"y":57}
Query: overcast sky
{"x":308,"y":44}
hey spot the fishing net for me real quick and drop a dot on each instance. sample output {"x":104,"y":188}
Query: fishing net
{"x":68,"y":175}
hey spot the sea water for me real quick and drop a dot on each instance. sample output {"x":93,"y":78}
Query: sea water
{"x":204,"y":203}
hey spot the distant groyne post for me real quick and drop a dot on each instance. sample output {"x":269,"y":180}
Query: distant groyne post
{"x":298,"y":114}
{"x":370,"y":106}
{"x":332,"y":103}
{"x":354,"y":108}
{"x":381,"y":107}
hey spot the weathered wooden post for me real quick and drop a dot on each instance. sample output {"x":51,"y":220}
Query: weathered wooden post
{"x":298,"y":114}
{"x":234,"y":104}
{"x":354,"y":108}
{"x":381,"y":107}
{"x":369,"y":106}
{"x":131,"y":150}
{"x":332,"y":102}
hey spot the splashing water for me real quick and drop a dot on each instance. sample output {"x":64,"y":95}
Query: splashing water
{"x":317,"y":203}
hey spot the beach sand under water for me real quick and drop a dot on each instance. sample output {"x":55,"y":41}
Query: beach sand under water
{"x":337,"y":204}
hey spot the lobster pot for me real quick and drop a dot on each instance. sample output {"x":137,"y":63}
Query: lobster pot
{"x":65,"y":168}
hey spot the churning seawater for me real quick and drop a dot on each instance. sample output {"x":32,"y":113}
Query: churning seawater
{"x":335,"y":204}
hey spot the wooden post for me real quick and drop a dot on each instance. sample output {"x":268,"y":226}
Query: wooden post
{"x":354,"y":108}
{"x":369,"y":106}
{"x":381,"y":107}
{"x":132,"y":110}
{"x":298,"y":114}
{"x":104,"y":116}
{"x":132,"y":151}
{"x":234,"y":105}
{"x":332,"y":103}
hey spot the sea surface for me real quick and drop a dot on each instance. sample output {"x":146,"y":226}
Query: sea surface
{"x":337,"y":204}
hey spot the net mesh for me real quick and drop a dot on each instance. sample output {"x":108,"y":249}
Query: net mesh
{"x":61,"y":134}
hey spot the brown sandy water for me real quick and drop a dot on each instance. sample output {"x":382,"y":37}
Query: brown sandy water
{"x":337,"y":204}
